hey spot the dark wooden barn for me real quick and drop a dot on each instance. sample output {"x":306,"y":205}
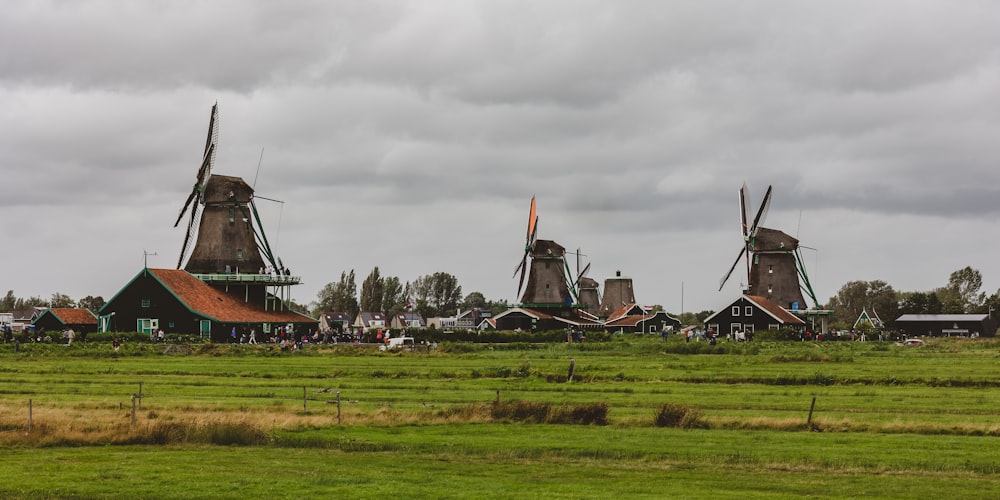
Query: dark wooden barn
{"x":750,"y":313}
{"x":531,"y":320}
{"x":946,"y":325}
{"x":178,"y":302}
{"x":58,"y":319}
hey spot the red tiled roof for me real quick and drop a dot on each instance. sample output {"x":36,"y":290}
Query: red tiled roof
{"x":203,"y":299}
{"x":72,"y":316}
{"x":775,"y":310}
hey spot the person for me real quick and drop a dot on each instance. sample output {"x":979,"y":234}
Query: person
{"x":160,"y":336}
{"x":70,"y":335}
{"x":253,"y":336}
{"x":232,"y":336}
{"x":116,"y":344}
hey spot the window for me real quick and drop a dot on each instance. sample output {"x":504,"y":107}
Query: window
{"x":748,"y":311}
{"x":769,"y":289}
{"x":144,"y":303}
{"x":239,"y":254}
{"x":736,"y":311}
{"x":735,"y":327}
{"x":773,"y":326}
{"x":232,"y":215}
{"x":748,"y":328}
{"x":770,"y":269}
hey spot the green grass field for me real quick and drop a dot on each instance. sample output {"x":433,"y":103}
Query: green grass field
{"x":232,"y":421}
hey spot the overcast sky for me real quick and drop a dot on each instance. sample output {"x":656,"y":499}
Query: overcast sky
{"x":412,"y":135}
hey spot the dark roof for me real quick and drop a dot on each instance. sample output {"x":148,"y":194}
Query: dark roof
{"x":203,"y":299}
{"x":943,"y":317}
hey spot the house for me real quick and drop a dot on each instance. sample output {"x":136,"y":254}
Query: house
{"x":472,"y":318}
{"x":408,"y":320}
{"x":750,"y":313}
{"x":632,"y":318}
{"x":868,"y":321}
{"x":946,"y":325}
{"x":22,"y":318}
{"x":334,"y":322}
{"x":367,"y":320}
{"x":176,"y":301}
{"x":532,"y":320}
{"x":58,"y":319}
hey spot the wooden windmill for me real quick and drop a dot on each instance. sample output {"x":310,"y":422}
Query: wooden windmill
{"x":549,"y":283}
{"x":229,"y":244}
{"x":773,"y":260}
{"x":586,"y":288}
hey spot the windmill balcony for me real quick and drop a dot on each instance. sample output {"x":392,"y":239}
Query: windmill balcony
{"x":240,"y":278}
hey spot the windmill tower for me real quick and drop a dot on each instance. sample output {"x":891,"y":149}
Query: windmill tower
{"x":773,"y":260}
{"x":549,"y":285}
{"x":586,"y":288}
{"x":617,"y":293}
{"x":230,"y":250}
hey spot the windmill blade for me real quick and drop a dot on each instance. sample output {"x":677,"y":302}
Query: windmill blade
{"x":532,"y":221}
{"x":745,"y":209}
{"x":582,"y":274}
{"x":187,"y":237}
{"x":200,"y":182}
{"x":725,"y":278}
{"x":761,"y":212}
{"x":212,"y":132}
{"x":524,"y":271}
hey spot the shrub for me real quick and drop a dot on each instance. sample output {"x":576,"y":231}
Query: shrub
{"x":679,"y":416}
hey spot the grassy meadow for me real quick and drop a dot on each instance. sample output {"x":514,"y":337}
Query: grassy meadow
{"x":640,"y":418}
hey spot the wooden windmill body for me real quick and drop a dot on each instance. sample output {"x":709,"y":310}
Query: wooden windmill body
{"x":618,"y":292}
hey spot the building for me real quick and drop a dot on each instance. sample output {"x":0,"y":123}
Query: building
{"x":531,"y":320}
{"x":408,"y":320}
{"x":366,"y":320}
{"x":339,"y":322}
{"x":81,"y":321}
{"x":632,"y":318}
{"x":946,"y":325}
{"x":178,"y":302}
{"x":750,"y":313}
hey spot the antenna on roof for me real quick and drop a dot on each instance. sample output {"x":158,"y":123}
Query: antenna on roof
{"x":146,"y":254}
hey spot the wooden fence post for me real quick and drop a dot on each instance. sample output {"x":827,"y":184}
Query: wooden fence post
{"x":133,"y":409}
{"x":811,"y":407}
{"x":30,"y":423}
{"x":572,"y":366}
{"x":338,"y":407}
{"x":140,"y":395}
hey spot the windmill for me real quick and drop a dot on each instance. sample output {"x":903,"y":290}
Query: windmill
{"x":224,"y":234}
{"x":773,"y":259}
{"x":549,"y":282}
{"x":586,"y":287}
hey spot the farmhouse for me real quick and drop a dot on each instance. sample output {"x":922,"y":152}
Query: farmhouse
{"x":632,"y":318}
{"x":178,"y":302}
{"x":750,"y":313}
{"x":57,"y":319}
{"x":367,"y":320}
{"x":334,"y":322}
{"x":408,"y":320}
{"x":946,"y":325}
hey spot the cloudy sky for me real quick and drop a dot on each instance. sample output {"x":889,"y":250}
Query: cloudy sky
{"x":412,"y":135}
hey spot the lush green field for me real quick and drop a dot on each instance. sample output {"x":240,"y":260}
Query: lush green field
{"x":231,"y":421}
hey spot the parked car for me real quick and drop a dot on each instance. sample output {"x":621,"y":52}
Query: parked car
{"x":910,"y":343}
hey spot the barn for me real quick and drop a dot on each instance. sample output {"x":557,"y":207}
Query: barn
{"x":178,"y":302}
{"x":632,"y":318}
{"x":81,"y":321}
{"x":750,"y":313}
{"x":946,"y":325}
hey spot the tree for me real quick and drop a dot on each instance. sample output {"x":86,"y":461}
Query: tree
{"x":338,"y":297}
{"x":962,"y":294}
{"x":394,"y":296}
{"x":474,"y":300}
{"x":8,"y":302}
{"x":91,"y":303}
{"x":61,"y":300}
{"x":437,"y":295}
{"x":919,"y":303}
{"x":874,"y":296}
{"x":371,"y":292}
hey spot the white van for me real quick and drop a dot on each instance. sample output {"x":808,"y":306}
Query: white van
{"x":407,"y":343}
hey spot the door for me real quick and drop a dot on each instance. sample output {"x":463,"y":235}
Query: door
{"x":205,"y":327}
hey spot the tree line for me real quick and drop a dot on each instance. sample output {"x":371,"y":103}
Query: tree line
{"x":11,"y":302}
{"x":432,"y":295}
{"x":961,"y":295}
